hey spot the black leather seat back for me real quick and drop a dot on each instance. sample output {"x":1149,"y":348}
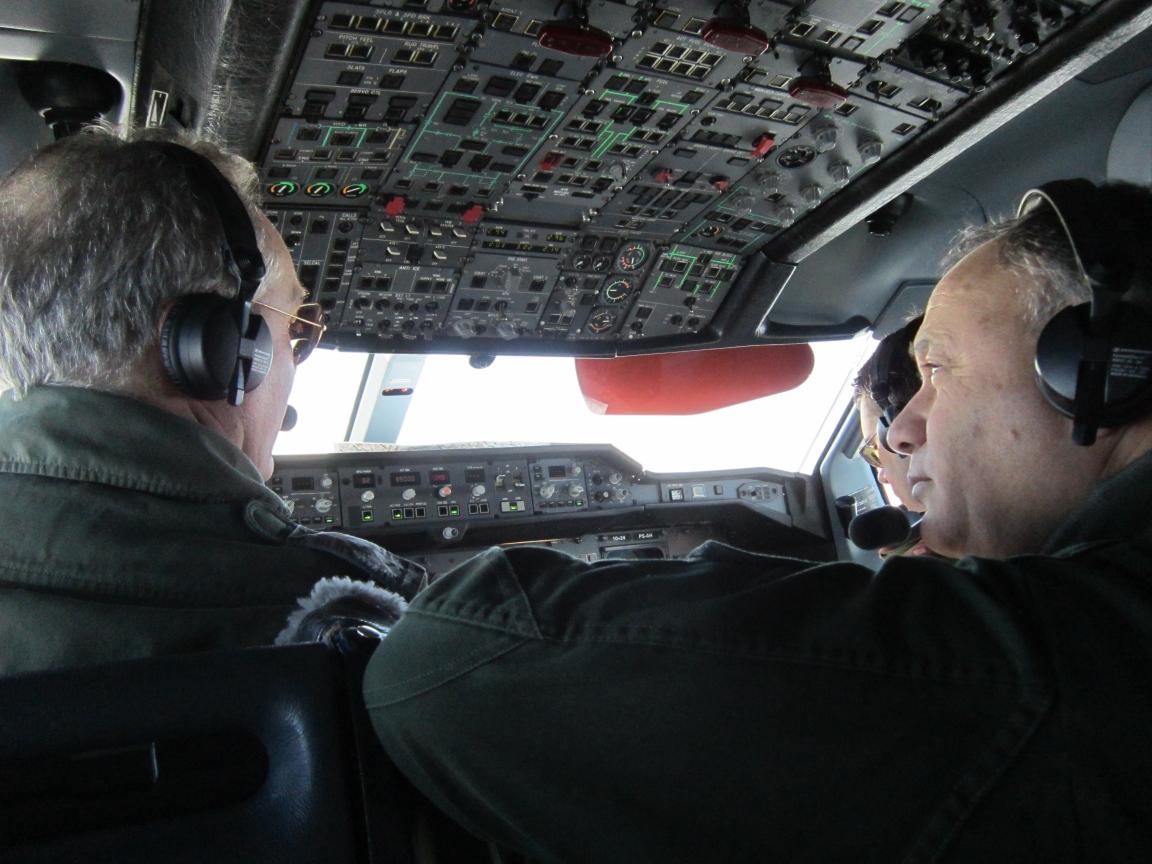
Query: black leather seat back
{"x":239,"y":756}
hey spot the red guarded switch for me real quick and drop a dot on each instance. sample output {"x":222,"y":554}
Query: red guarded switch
{"x":551,"y":161}
{"x":763,"y":145}
{"x":817,"y":91}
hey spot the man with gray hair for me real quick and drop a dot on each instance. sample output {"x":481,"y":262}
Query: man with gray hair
{"x":151,"y":322}
{"x":741,"y":707}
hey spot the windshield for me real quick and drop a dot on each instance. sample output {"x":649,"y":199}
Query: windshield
{"x":537,"y":400}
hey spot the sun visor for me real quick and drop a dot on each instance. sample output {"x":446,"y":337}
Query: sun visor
{"x":691,"y":382}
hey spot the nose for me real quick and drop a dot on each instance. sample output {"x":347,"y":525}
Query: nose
{"x":907,"y":433}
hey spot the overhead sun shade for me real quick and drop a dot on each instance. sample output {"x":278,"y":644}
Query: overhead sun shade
{"x":691,"y":382}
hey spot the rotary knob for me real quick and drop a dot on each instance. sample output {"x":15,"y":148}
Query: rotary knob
{"x":367,"y":496}
{"x":840,"y":171}
{"x":769,"y":181}
{"x":478,"y":490}
{"x":464,"y":328}
{"x":547,"y":491}
{"x":323,"y":505}
{"x":615,"y":478}
{"x":825,"y":137}
{"x":507,"y":330}
{"x":408,"y":494}
{"x":870,"y":150}
{"x":576,"y":490}
{"x":326,"y":482}
{"x":444,"y":491}
{"x":742,"y":201}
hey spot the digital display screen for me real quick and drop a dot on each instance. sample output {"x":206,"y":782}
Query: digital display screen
{"x":363,"y":481}
{"x":438,"y":477}
{"x":474,"y":475}
{"x":405,"y":478}
{"x":634,"y":553}
{"x":557,"y":471}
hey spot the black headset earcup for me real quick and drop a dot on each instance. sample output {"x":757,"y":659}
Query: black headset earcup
{"x":198,"y":344}
{"x":1123,"y":383}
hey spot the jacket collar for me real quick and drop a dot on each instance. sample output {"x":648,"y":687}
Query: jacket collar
{"x":1118,"y":508}
{"x":76,"y":433}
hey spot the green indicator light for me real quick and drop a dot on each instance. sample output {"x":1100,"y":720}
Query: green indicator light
{"x":397,"y":514}
{"x":329,"y":520}
{"x":453,"y":511}
{"x":623,"y":97}
{"x":366,"y":516}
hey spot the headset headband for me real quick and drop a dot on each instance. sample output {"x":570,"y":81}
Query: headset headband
{"x":1078,"y":209}
{"x":892,"y":387}
{"x":241,"y":252}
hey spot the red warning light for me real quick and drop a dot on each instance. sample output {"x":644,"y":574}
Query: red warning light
{"x":735,"y":36}
{"x":763,"y":145}
{"x":572,"y":37}
{"x":551,"y":161}
{"x":662,"y":175}
{"x":720,"y":183}
{"x":473,"y":214}
{"x":818,"y":92}
{"x":395,"y":205}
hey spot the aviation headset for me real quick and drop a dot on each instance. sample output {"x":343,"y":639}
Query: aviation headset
{"x":896,"y":378}
{"x":1094,"y":360}
{"x":216,"y":347}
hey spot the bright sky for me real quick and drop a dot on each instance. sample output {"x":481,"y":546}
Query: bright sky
{"x":537,"y":399}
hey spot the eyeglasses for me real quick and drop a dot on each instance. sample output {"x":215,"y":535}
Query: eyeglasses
{"x":305,"y":330}
{"x":882,"y":427}
{"x":870,"y":452}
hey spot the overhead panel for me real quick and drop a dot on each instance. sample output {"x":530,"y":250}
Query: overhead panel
{"x":460,"y":175}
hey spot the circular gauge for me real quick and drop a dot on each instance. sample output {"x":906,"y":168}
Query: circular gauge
{"x":617,"y":290}
{"x":318,"y":189}
{"x":601,"y":264}
{"x":632,"y":257}
{"x":601,"y":321}
{"x":283,"y":188}
{"x":796,"y":156}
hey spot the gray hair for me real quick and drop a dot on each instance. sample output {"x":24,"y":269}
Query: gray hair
{"x":97,"y":233}
{"x":1031,"y":248}
{"x":1035,"y":246}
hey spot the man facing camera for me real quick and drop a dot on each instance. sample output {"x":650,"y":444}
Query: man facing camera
{"x":741,"y":707}
{"x":151,"y":322}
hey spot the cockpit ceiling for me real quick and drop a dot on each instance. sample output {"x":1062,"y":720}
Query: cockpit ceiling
{"x":455,"y":175}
